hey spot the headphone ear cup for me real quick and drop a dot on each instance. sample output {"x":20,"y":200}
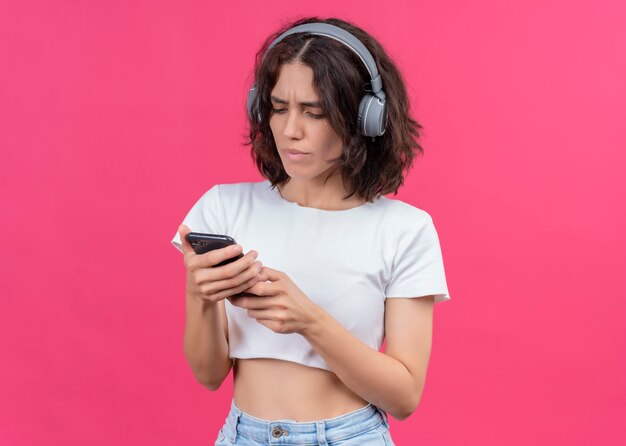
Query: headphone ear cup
{"x":250,"y":104}
{"x":372,"y":119}
{"x":362,"y":106}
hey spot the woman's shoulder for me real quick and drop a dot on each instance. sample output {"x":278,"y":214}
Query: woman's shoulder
{"x":241,"y":192}
{"x":240,"y":187}
{"x":403,"y":211}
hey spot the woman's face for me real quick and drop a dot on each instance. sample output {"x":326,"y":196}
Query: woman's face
{"x":297,"y":123}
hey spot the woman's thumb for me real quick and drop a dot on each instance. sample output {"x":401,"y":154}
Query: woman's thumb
{"x":182,"y":232}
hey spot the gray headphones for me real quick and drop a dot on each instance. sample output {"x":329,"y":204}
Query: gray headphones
{"x":372,"y":119}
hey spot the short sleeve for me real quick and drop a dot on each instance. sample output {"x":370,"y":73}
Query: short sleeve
{"x":206,"y":215}
{"x":418,"y":269}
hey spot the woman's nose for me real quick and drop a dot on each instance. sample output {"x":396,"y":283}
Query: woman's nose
{"x":293,"y":125}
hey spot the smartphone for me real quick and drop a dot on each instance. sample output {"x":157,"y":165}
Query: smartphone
{"x":202,"y":243}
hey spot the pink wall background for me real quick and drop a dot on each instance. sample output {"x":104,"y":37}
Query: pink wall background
{"x":115,"y":116}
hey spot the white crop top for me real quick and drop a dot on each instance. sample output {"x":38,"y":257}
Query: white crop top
{"x":346,"y":261}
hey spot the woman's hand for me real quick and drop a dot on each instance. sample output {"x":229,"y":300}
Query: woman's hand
{"x":209,"y":284}
{"x":279,"y":304}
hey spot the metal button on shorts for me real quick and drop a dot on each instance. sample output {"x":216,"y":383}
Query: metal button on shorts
{"x":279,"y":432}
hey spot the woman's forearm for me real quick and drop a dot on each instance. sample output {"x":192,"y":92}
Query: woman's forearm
{"x":206,"y":347}
{"x":374,"y":376}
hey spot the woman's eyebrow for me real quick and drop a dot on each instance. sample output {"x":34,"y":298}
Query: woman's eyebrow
{"x":307,"y":104}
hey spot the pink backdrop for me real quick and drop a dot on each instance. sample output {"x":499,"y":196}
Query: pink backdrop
{"x":115,"y":116}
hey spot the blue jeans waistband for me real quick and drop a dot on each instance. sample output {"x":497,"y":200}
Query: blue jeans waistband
{"x":312,"y":432}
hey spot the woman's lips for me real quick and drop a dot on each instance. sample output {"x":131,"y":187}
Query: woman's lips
{"x":295,"y":155}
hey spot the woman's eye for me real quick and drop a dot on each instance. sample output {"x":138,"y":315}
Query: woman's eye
{"x":313,"y":115}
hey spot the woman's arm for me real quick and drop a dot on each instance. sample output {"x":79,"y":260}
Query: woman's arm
{"x":206,"y":329}
{"x":394,"y":380}
{"x":206,"y":341}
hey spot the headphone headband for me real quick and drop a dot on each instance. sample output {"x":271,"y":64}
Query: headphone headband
{"x":343,"y":36}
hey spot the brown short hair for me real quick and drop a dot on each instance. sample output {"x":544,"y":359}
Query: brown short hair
{"x":368,"y":167}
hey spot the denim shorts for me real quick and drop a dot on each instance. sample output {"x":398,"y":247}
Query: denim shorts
{"x":363,"y":427}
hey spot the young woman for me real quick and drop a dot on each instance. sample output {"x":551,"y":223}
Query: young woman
{"x":343,"y":266}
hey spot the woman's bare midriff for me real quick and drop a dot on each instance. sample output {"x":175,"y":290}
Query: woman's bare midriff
{"x":272,"y":389}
